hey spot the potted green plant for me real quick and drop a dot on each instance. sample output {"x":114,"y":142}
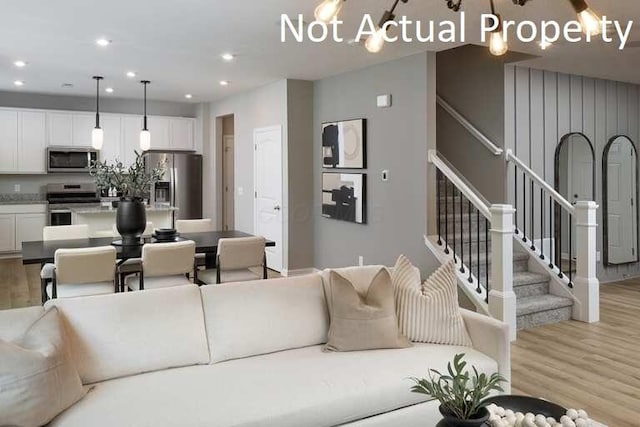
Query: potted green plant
{"x":132,"y":184}
{"x":461,"y":394}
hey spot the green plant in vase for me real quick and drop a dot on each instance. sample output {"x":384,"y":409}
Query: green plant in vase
{"x":461,"y":393}
{"x":132,"y":183}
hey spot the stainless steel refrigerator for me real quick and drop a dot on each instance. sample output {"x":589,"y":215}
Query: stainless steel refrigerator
{"x":181,"y":185}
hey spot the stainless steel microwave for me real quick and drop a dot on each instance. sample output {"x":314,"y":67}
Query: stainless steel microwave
{"x":70,"y":159}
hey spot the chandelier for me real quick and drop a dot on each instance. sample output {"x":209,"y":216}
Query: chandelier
{"x":329,"y":9}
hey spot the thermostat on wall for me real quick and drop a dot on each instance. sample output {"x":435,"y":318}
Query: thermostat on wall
{"x":384,"y":101}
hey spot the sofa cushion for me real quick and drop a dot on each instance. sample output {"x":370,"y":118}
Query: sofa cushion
{"x":363,"y":321}
{"x":37,"y":378}
{"x":14,"y":323}
{"x":250,"y":318}
{"x":302,"y":387}
{"x":123,"y":334}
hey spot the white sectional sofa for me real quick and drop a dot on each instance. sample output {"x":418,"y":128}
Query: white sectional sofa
{"x":246,"y":354}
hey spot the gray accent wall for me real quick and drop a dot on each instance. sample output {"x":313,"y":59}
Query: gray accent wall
{"x":108,"y":104}
{"x":398,"y":142}
{"x":543,"y":106}
{"x":471,"y":80}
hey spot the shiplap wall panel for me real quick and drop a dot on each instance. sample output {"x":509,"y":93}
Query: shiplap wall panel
{"x":541,"y":107}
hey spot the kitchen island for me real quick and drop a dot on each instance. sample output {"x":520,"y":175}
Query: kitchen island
{"x":102,"y":219}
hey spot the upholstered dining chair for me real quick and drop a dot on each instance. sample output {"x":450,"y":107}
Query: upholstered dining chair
{"x":237,"y":260}
{"x":59,"y":232}
{"x":83,"y":271}
{"x":164,"y":265}
{"x":132,"y":265}
{"x":186,"y":226}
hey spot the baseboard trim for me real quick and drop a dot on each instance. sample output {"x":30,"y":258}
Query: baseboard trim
{"x":299,"y":272}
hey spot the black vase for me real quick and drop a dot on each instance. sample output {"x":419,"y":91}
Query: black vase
{"x":451,"y":421}
{"x":131,"y":220}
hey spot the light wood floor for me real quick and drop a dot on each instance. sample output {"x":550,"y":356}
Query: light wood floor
{"x":593,"y":367}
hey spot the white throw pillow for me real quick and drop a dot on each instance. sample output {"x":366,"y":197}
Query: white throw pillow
{"x":37,"y":378}
{"x":428,"y":312}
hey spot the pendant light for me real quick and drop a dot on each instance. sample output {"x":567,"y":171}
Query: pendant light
{"x":97,"y":135}
{"x":589,"y":20}
{"x":145,"y":135}
{"x":497,"y":43}
{"x":328,"y":9}
{"x":375,"y":42}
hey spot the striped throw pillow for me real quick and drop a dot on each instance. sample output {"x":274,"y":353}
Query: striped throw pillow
{"x":428,"y":312}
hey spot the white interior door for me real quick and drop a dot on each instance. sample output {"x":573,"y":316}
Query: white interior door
{"x":228,"y":182}
{"x":267,"y":175}
{"x":621,"y":189}
{"x":580,"y":185}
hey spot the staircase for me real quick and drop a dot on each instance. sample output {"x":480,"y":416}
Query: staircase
{"x":535,"y":306}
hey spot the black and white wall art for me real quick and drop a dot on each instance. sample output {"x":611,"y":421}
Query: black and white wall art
{"x":344,"y":144}
{"x":343,"y":197}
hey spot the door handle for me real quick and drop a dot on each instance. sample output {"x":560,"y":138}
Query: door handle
{"x":276,"y":208}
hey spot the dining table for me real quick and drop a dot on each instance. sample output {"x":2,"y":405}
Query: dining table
{"x":43,"y":252}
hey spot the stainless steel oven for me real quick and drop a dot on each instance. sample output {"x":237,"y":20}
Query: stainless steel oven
{"x":59,"y":216}
{"x":70,"y":159}
{"x":62,"y":197}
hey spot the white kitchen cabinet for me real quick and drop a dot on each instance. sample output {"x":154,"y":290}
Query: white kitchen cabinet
{"x":83,"y":125}
{"x":60,"y":129}
{"x":131,"y":127}
{"x":160,"y":128}
{"x":112,"y":146}
{"x":7,"y":233}
{"x":29,"y":228}
{"x":32,"y":142}
{"x":182,"y":134}
{"x":8,"y":141}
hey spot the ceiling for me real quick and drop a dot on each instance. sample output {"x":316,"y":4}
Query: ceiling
{"x":177,"y":43}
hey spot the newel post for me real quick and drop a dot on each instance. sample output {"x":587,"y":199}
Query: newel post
{"x":502,"y":299}
{"x":586,"y":283}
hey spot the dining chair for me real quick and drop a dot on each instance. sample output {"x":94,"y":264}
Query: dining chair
{"x":59,"y":232}
{"x":83,"y":271}
{"x":186,"y":226}
{"x":236,"y":261}
{"x":164,"y":265}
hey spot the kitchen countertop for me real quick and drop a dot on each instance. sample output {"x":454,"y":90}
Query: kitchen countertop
{"x":22,"y":199}
{"x":84,"y":210}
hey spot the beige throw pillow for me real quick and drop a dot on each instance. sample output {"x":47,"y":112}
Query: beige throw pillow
{"x":428,"y":312}
{"x":363,"y":322}
{"x":37,"y":379}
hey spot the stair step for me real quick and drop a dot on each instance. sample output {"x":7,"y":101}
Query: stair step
{"x":538,"y":304}
{"x":528,"y":284}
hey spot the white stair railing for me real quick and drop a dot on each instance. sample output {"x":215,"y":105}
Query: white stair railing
{"x":547,"y":225}
{"x":489,"y":281}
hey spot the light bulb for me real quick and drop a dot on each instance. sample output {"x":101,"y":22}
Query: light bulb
{"x":97,"y":138}
{"x":497,"y":44}
{"x":590,"y":22}
{"x":145,"y":140}
{"x":375,"y":42}
{"x":327,"y":10}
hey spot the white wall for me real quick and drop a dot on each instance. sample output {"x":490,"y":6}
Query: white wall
{"x":542,"y":106}
{"x":265,"y":106}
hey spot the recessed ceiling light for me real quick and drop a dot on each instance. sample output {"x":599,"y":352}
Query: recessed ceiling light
{"x":544,"y":44}
{"x":227,"y":56}
{"x":109,"y":90}
{"x":188,"y":96}
{"x":20,"y":64}
{"x":103,"y":42}
{"x":131,"y":74}
{"x":18,"y":83}
{"x":224,"y":83}
{"x":67,"y":85}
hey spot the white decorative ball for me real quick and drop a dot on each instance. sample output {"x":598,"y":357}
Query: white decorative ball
{"x":572,"y":413}
{"x":552,"y":421}
{"x":540,"y":420}
{"x":500,"y":411}
{"x":583,"y":414}
{"x":509,"y":413}
{"x":566,"y":421}
{"x":528,"y":422}
{"x":529,"y":416}
{"x":581,"y":422}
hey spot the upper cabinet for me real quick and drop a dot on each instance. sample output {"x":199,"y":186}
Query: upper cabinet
{"x":31,"y":148}
{"x":182,"y":134}
{"x":9,"y":141}
{"x":60,"y":129}
{"x":22,"y":138}
{"x":25,"y":134}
